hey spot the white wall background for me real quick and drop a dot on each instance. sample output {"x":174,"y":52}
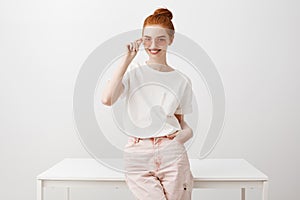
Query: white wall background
{"x":254,"y":44}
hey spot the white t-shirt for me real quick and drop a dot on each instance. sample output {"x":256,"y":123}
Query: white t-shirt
{"x":152,"y":98}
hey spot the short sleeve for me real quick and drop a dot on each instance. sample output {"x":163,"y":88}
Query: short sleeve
{"x":185,"y":105}
{"x":129,"y":74}
{"x":126,"y":83}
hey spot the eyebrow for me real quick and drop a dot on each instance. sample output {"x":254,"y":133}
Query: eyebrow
{"x":157,"y":36}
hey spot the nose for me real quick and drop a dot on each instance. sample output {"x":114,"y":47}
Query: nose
{"x":153,"y":44}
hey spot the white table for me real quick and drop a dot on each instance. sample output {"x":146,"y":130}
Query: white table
{"x":208,"y":173}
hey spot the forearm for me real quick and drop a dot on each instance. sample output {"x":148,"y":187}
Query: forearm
{"x":185,"y":134}
{"x":113,"y":87}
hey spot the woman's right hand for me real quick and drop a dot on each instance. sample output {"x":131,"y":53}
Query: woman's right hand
{"x":133,"y":47}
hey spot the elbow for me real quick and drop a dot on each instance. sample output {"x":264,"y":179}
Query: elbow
{"x":187,"y":129}
{"x":106,"y":101}
{"x":190,"y":132}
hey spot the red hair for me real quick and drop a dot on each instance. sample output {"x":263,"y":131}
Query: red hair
{"x":162,"y":17}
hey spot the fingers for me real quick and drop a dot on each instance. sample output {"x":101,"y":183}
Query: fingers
{"x":137,"y":44}
{"x":171,"y":136}
{"x":130,"y":46}
{"x":139,"y":41}
{"x":134,"y":46}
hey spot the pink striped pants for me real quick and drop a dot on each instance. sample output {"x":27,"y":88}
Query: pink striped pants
{"x":157,"y":169}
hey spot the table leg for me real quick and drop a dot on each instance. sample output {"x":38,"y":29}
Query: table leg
{"x":265,"y":190}
{"x":68,"y":193}
{"x":243,"y":193}
{"x":39,"y":190}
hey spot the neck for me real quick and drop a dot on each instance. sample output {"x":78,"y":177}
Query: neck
{"x":159,"y":61}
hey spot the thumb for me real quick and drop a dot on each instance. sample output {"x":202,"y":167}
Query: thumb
{"x":139,"y":41}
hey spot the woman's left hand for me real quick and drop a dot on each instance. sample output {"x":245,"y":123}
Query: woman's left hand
{"x":185,"y":134}
{"x":171,"y":136}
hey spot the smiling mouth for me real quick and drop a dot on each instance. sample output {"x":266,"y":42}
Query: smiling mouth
{"x":154,"y":51}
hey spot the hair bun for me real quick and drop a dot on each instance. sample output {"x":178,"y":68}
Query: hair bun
{"x":163,"y":11}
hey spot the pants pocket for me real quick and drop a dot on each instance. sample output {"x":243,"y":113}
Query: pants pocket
{"x":131,"y":141}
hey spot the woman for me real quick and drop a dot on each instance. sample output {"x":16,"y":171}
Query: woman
{"x":156,"y":161}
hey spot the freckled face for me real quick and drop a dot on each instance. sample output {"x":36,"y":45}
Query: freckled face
{"x":155,"y":40}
